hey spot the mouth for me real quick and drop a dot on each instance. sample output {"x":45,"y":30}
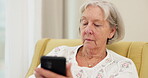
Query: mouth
{"x":89,"y":40}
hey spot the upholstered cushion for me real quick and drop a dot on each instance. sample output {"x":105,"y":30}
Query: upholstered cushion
{"x":137,"y":51}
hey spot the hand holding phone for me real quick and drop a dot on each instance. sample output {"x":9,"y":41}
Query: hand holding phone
{"x":54,"y":64}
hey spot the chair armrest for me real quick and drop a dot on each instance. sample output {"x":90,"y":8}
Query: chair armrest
{"x":39,"y":50}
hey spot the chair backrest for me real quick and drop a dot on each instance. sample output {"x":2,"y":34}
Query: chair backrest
{"x":137,"y":51}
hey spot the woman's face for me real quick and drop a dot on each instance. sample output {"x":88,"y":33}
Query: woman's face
{"x":94,"y":29}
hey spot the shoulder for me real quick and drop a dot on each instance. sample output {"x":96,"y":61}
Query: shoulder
{"x":125,"y":64}
{"x":117,"y":57}
{"x":62,"y":50}
{"x":124,"y":67}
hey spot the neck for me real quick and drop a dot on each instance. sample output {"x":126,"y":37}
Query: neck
{"x":93,"y":53}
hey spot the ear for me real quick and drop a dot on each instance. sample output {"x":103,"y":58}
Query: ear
{"x":112,"y":32}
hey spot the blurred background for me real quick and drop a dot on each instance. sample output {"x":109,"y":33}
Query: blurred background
{"x":2,"y":37}
{"x":24,"y":22}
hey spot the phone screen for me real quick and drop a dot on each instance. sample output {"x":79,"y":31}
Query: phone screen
{"x":54,"y":64}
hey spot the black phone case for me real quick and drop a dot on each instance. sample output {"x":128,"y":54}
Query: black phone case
{"x":54,"y":64}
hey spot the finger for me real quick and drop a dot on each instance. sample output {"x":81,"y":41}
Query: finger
{"x":37,"y":75}
{"x":68,"y":67}
{"x":48,"y":74}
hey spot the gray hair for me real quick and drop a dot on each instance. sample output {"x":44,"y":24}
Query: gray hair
{"x":111,"y":14}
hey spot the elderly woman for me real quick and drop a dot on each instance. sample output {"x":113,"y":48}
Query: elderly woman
{"x":101,"y":24}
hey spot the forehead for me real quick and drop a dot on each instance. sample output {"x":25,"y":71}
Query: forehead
{"x":93,"y":12}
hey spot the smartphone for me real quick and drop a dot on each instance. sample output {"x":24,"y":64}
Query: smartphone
{"x":54,"y":64}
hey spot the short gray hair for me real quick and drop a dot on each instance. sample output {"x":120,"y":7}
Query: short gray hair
{"x":111,"y":14}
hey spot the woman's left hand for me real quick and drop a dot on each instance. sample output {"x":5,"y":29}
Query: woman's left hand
{"x":43,"y":73}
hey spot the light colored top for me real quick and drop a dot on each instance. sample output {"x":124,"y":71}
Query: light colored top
{"x":112,"y":66}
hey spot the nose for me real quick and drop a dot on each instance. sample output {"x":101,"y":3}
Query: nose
{"x":89,"y":30}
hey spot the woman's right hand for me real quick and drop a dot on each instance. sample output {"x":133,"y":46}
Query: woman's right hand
{"x":43,"y":73}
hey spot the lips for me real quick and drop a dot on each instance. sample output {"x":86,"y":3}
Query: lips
{"x":89,"y":40}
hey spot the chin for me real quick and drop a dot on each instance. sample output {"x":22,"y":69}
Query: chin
{"x":90,"y":46}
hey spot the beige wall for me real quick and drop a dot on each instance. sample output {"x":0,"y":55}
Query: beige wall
{"x":135,"y":16}
{"x":52,"y":18}
{"x":134,"y":13}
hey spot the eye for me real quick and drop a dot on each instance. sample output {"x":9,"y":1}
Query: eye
{"x":84,"y":22}
{"x":97,"y":25}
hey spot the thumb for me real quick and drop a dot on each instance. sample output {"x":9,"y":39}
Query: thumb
{"x":68,"y":67}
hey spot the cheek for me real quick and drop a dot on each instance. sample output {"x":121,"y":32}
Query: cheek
{"x":82,"y":34}
{"x":81,"y":31}
{"x":101,"y":34}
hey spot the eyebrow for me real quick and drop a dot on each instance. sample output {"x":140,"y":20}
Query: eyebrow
{"x":82,"y":18}
{"x":96,"y":20}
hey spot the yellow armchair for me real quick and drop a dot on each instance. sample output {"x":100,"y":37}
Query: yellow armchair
{"x":137,"y":51}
